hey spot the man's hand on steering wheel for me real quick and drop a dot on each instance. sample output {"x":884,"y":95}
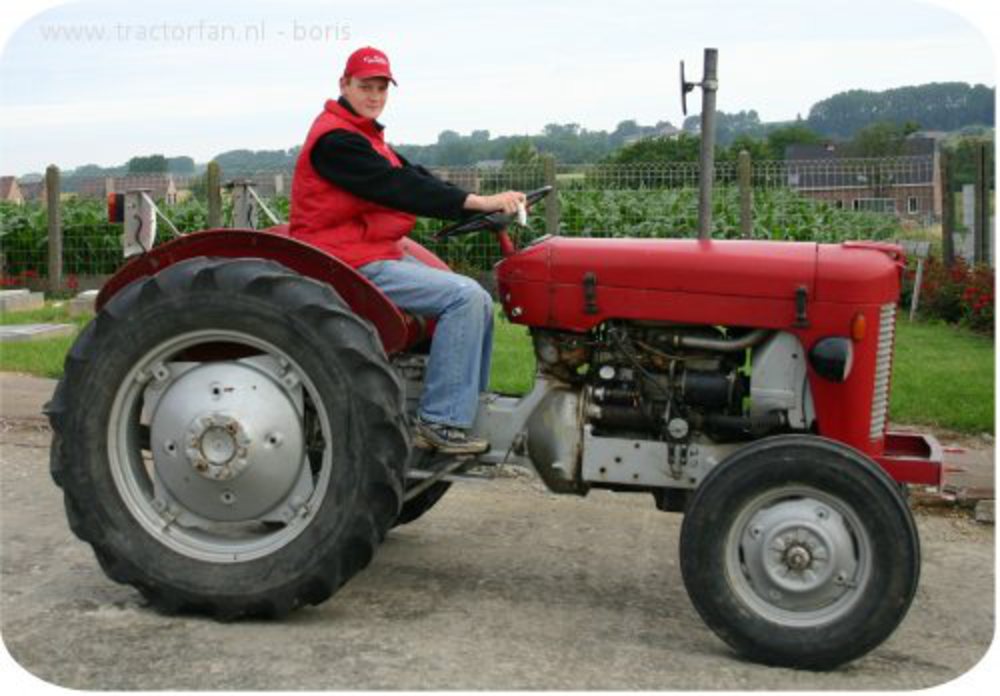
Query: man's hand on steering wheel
{"x":505,"y":202}
{"x":498,"y":211}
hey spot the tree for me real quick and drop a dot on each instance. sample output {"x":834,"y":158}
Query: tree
{"x":779,"y":139}
{"x":757,"y":148}
{"x":882,"y":139}
{"x":936,"y":106}
{"x":89,"y":170}
{"x":150,"y":164}
{"x":728,"y":126}
{"x":180,"y":165}
{"x":684,"y":148}
{"x":964,"y":158}
{"x":523,"y":152}
{"x":556,"y":130}
{"x":624,"y":130}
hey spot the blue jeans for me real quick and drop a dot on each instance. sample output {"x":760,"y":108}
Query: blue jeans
{"x":459,"y":365}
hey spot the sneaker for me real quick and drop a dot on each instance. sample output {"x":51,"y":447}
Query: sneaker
{"x":446,"y":439}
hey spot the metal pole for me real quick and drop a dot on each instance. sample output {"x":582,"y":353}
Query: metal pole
{"x":709,"y":86}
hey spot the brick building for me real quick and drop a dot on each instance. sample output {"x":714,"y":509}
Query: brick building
{"x":908,"y":185}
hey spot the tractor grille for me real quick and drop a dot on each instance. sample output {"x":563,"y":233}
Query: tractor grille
{"x":883,"y":369}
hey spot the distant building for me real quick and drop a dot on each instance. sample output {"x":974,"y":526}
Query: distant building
{"x":907,"y":185}
{"x":9,"y":190}
{"x":160,"y":186}
{"x":32,"y":190}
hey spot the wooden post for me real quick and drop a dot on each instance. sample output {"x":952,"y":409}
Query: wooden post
{"x":552,"y":200}
{"x":981,"y":241}
{"x":917,"y":282}
{"x":213,"y":188}
{"x":52,"y":192}
{"x":921,"y":251}
{"x":746,"y":194}
{"x":947,"y":210}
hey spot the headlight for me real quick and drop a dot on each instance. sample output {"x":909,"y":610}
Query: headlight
{"x":832,"y":358}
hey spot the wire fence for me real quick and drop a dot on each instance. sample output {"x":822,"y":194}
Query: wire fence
{"x":825,"y":201}
{"x":821,"y":200}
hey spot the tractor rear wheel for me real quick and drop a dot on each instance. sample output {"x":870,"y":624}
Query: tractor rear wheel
{"x":800,"y":552}
{"x":229,"y":438}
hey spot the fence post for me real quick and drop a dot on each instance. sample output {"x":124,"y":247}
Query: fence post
{"x":981,"y":223}
{"x":947,"y":210}
{"x":746,"y":193}
{"x":213,"y":188}
{"x":52,"y":192}
{"x":552,"y":211}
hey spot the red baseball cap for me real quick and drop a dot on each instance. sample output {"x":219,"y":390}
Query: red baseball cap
{"x":368,"y":62}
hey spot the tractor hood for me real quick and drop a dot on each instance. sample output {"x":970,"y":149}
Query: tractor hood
{"x":613,"y":277}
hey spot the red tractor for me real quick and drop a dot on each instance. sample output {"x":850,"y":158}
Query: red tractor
{"x":231,"y":433}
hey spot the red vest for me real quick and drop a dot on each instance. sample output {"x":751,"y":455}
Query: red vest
{"x":326,"y":216}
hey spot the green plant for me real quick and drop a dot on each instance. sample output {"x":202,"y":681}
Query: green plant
{"x":962,"y":294}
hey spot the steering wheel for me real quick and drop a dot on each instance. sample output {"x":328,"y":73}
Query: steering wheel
{"x":494,"y":221}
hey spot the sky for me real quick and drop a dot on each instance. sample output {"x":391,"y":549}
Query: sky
{"x":100,"y":81}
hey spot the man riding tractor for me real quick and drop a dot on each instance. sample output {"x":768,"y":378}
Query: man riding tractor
{"x":356,"y":197}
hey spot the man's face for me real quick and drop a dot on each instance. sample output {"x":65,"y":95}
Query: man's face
{"x":367,"y":95}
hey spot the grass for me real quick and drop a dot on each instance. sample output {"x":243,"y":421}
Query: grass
{"x":41,"y":358}
{"x":943,"y":376}
{"x":513,"y":368}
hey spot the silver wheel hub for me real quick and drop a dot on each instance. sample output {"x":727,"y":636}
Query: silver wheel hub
{"x":798,"y":557}
{"x":797,"y":553}
{"x":238,"y":430}
{"x":217,"y":446}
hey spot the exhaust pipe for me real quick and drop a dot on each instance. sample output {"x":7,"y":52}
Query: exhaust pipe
{"x":723,"y":345}
{"x":709,"y":86}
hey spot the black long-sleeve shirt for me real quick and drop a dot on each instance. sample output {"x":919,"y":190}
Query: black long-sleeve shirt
{"x":349,"y":161}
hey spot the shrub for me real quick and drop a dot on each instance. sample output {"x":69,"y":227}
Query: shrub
{"x":962,"y":294}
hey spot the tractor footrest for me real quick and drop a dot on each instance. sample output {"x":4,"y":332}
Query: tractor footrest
{"x":478,"y":474}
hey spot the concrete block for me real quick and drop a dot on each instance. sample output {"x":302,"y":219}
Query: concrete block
{"x":985,"y":512}
{"x":20,"y":300}
{"x":20,"y":333}
{"x":83,"y":303}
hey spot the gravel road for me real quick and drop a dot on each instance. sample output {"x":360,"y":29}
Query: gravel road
{"x":502,"y":586}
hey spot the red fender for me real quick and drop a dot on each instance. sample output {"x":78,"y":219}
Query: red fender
{"x":397,"y":329}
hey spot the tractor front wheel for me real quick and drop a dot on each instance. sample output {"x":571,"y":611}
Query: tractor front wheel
{"x":800,"y":552}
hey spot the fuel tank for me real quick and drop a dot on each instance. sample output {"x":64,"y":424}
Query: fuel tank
{"x":576,"y":283}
